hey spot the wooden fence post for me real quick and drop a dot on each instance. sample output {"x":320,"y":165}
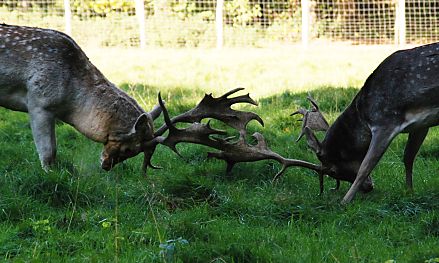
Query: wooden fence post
{"x":67,"y":17}
{"x":305,"y":22}
{"x":400,"y":23}
{"x":140,"y":13}
{"x":219,"y":23}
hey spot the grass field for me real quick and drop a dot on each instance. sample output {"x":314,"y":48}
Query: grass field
{"x":263,"y":72}
{"x":189,"y":211}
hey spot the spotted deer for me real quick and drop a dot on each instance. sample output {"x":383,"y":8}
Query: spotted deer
{"x":400,"y":96}
{"x":46,"y":74}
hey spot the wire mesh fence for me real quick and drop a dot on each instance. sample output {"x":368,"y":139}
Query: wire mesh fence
{"x":422,"y":21}
{"x":360,"y":22}
{"x":210,"y":23}
{"x":44,"y":13}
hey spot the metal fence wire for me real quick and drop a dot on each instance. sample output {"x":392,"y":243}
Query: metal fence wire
{"x":360,"y":22}
{"x":241,"y":23}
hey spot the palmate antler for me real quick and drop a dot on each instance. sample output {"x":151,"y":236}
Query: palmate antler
{"x":230,"y":151}
{"x":312,"y":118}
{"x":209,"y":107}
{"x":218,"y":108}
{"x":313,"y":121}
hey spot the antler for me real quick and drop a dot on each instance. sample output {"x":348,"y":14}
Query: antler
{"x":198,"y":133}
{"x":312,"y":118}
{"x":218,"y":108}
{"x":148,"y":151}
{"x":209,"y":107}
{"x":231,"y":152}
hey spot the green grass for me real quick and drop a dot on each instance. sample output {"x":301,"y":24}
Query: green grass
{"x":263,"y":72}
{"x":190,"y":211}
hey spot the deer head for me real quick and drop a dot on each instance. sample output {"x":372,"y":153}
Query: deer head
{"x":121,"y":145}
{"x":334,"y":163}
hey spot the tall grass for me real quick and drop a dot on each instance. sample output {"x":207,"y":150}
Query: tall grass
{"x":189,"y":211}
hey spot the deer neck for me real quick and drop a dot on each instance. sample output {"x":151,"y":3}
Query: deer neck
{"x":101,"y":109}
{"x":349,"y":137}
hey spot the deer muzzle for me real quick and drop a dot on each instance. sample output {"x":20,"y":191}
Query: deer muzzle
{"x":367,"y":185}
{"x":107,"y":163}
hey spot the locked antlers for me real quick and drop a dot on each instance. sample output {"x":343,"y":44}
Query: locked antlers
{"x":230,"y":149}
{"x":199,"y":133}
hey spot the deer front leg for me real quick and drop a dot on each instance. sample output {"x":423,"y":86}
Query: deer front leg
{"x":43,"y":130}
{"x":414,"y":142}
{"x":378,"y":145}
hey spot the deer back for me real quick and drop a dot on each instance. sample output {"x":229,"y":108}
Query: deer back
{"x":403,"y":90}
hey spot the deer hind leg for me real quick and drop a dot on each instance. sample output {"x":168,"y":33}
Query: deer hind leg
{"x":414,"y":142}
{"x":43,"y":130}
{"x":378,"y":145}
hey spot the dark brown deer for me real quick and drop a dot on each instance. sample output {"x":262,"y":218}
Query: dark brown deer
{"x":400,"y":96}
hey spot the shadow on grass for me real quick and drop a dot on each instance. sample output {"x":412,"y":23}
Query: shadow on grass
{"x":236,"y":219}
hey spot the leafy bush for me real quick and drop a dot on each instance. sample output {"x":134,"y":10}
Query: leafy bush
{"x":101,"y":8}
{"x":241,"y":12}
{"x":172,"y":31}
{"x":30,"y":5}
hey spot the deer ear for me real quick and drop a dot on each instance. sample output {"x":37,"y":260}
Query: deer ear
{"x":141,"y":124}
{"x":312,"y":141}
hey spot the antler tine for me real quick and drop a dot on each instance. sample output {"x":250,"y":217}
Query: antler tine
{"x":198,"y":133}
{"x":304,"y":113}
{"x":240,"y":99}
{"x":313,"y":102}
{"x":168,"y":121}
{"x":225,"y":95}
{"x":286,"y":163}
{"x":150,"y":146}
{"x":301,"y":111}
{"x":148,"y":150}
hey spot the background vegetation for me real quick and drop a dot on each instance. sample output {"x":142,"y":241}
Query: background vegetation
{"x":190,"y":23}
{"x":189,"y":211}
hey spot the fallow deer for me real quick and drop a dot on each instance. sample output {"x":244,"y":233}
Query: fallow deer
{"x":45,"y":73}
{"x":400,"y":96}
